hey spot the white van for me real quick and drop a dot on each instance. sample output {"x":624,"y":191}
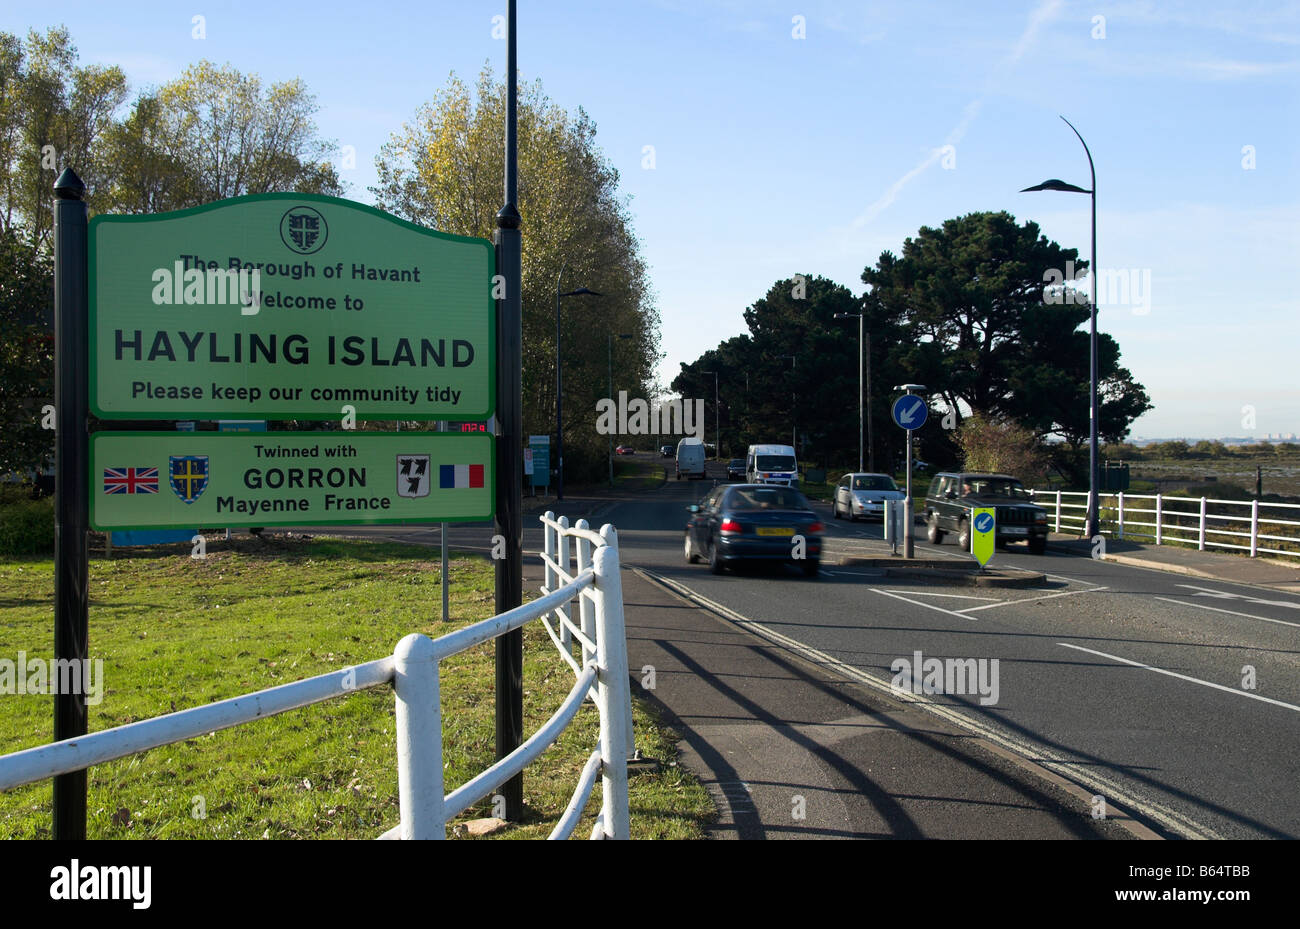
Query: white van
{"x":772,"y":464}
{"x":690,"y":458}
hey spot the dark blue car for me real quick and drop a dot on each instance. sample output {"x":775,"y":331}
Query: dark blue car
{"x":754,"y":522}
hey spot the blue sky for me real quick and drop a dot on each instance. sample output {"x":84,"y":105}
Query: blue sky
{"x":775,"y":155}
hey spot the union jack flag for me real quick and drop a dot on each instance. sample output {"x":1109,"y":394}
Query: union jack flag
{"x":130,"y":480}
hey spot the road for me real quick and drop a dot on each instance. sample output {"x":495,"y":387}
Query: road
{"x":1133,"y":683}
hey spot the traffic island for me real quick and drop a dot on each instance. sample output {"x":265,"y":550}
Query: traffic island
{"x":948,"y":571}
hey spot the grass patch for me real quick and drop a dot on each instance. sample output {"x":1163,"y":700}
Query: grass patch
{"x":174,"y":632}
{"x":634,"y":474}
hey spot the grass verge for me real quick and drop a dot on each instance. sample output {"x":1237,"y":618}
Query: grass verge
{"x":174,"y":632}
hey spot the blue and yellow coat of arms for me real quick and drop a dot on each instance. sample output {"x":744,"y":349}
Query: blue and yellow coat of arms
{"x":188,"y":475}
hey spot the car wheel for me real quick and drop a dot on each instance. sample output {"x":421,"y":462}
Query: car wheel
{"x":716,"y":564}
{"x":932,"y":530}
{"x":691,"y":557}
{"x":1037,"y":546}
{"x":811,"y":568}
{"x":963,"y":534}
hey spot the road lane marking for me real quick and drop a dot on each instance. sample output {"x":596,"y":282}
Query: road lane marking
{"x":1202,"y":606}
{"x":928,"y":606}
{"x":1068,"y":593}
{"x":1184,"y":677}
{"x":1173,"y":820}
{"x":1225,"y":595}
{"x":1071,"y":580}
{"x":921,"y":593}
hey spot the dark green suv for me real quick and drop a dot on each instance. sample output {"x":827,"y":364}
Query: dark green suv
{"x":953,"y":494}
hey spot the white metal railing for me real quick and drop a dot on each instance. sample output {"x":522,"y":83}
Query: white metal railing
{"x":413,"y":670}
{"x":563,"y":562}
{"x":1201,"y":521}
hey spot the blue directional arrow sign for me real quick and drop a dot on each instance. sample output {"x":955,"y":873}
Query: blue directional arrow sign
{"x":910,"y":411}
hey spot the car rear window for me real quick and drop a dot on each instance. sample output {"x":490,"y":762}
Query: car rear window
{"x":874,"y":482}
{"x":766,"y":498}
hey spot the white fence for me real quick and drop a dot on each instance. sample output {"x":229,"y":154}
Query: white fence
{"x":1238,"y":525}
{"x":412,"y":669}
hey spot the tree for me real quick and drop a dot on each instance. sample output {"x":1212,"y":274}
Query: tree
{"x":53,"y":113}
{"x":1002,"y":446}
{"x":796,"y":369}
{"x":26,"y":355}
{"x":225,"y":137}
{"x":444,"y":169}
{"x":970,"y":297}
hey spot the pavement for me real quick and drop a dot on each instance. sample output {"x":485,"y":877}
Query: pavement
{"x":791,"y":749}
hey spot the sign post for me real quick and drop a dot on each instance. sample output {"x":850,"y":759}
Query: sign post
{"x":983,"y":534}
{"x":71,"y":558}
{"x":910,"y":413}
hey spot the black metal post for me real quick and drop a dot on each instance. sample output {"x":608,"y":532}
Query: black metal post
{"x":509,"y":451}
{"x":71,"y":486}
{"x":559,"y":397}
{"x":871,"y":448}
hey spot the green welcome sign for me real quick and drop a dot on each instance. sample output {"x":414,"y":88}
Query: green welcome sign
{"x":288,"y":306}
{"x":148,"y":480}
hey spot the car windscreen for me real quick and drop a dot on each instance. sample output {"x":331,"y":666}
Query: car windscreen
{"x":874,"y":482}
{"x":765,"y":498}
{"x":774,"y":462}
{"x":736,"y":463}
{"x":998,"y":487}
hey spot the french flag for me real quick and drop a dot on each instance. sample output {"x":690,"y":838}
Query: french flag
{"x":452,"y":477}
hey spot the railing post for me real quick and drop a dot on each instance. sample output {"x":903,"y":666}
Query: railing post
{"x":548,"y":546}
{"x":419,"y":739}
{"x":1119,"y":531}
{"x":612,"y":692}
{"x":1254,"y":528}
{"x":1200,"y":543}
{"x":1058,"y":510}
{"x":1160,"y":518}
{"x":586,"y":610}
{"x":562,"y":559}
{"x":610,"y":535}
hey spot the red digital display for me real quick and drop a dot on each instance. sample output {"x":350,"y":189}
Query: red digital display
{"x":473,"y":427}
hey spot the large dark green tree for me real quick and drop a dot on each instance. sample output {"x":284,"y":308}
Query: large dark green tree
{"x":970,"y":297}
{"x":795,"y":369}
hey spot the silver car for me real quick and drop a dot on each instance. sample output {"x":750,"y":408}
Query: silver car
{"x":860,"y":495}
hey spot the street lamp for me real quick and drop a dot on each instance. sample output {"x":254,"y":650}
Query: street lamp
{"x":1090,"y":522}
{"x":717,"y":418}
{"x":621,"y":335}
{"x":794,"y":401}
{"x":860,"y":380}
{"x":559,"y":382}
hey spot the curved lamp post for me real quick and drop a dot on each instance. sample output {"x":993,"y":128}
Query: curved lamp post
{"x":1091,"y":521}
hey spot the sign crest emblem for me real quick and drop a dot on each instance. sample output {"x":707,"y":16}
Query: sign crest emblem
{"x":303,"y":230}
{"x":413,"y":476}
{"x":188,"y":475}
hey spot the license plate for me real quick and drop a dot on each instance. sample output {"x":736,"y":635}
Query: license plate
{"x":771,"y":530}
{"x":1015,"y":530}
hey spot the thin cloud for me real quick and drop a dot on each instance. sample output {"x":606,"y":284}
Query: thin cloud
{"x":1045,"y":12}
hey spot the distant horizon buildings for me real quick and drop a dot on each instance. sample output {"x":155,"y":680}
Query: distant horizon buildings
{"x":1268,"y":437}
